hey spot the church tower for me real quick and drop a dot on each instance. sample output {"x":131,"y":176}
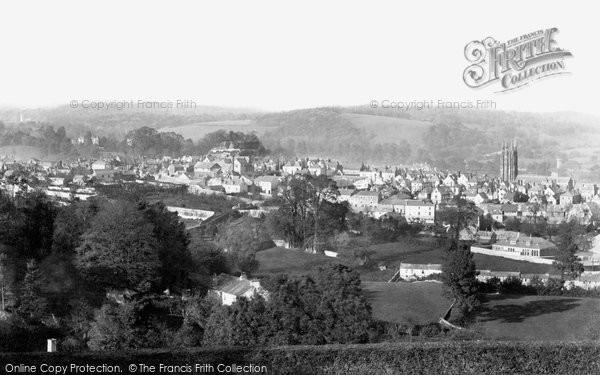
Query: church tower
{"x":510,"y":161}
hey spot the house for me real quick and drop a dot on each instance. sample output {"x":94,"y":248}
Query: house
{"x":570,"y":198}
{"x":234,"y":185}
{"x":441,"y":194}
{"x":419,"y":211}
{"x":175,"y":169}
{"x":56,"y":181}
{"x":362,"y":184}
{"x":229,"y":288}
{"x":242,"y":166}
{"x":527,"y":247}
{"x":587,"y":191}
{"x":365,"y":199}
{"x":395,"y":203}
{"x":210,"y":169}
{"x":100,"y":165}
{"x":267,"y":184}
{"x":416,"y":186}
{"x":497,"y":215}
{"x":292,"y":168}
{"x":410,"y":271}
{"x":480,"y":198}
{"x":345,"y":194}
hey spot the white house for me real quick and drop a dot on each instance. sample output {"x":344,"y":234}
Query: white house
{"x":409,"y":271}
{"x":415,"y":210}
{"x":267,"y":184}
{"x":229,"y":288}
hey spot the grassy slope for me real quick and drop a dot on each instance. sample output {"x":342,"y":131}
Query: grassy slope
{"x":502,"y":317}
{"x":540,"y":318}
{"x":406,"y":303}
{"x":292,"y":262}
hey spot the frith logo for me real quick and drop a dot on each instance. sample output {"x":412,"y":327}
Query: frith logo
{"x":515,"y":63}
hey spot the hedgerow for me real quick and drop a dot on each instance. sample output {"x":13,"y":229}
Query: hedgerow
{"x":470,"y":357}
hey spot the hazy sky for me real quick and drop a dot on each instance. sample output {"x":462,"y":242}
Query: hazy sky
{"x":278,"y":55}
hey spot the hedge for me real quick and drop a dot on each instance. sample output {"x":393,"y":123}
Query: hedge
{"x":448,"y":357}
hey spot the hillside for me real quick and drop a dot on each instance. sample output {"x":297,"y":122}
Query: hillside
{"x":449,"y":139}
{"x":198,"y":130}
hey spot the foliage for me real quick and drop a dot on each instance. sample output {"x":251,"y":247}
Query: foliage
{"x":328,"y":308}
{"x":31,"y":303}
{"x":566,"y":260}
{"x":460,"y":278}
{"x":242,"y":238}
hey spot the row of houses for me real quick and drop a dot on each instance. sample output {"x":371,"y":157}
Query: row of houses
{"x":412,"y":271}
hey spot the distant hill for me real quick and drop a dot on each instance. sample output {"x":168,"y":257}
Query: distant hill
{"x":449,"y":139}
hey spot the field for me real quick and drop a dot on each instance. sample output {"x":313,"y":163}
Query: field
{"x":289,"y":261}
{"x":199,"y":130}
{"x":406,"y":303}
{"x":502,"y":317}
{"x":540,"y":318}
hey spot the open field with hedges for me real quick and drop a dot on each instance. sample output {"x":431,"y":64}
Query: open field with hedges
{"x":407,"y":303}
{"x":540,"y":318}
{"x":447,"y":357}
{"x":509,"y":317}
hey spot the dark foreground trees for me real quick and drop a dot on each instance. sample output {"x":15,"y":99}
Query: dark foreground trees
{"x":568,"y":245}
{"x":324,"y":309}
{"x":460,"y":278}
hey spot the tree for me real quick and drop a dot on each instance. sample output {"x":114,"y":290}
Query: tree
{"x":460,"y":278}
{"x":120,"y":250}
{"x":4,"y":279}
{"x":113,"y":327}
{"x":172,"y":245}
{"x":32,"y":304}
{"x":567,"y":261}
{"x":324,"y":309}
{"x":306,"y":206}
{"x":242,"y":239}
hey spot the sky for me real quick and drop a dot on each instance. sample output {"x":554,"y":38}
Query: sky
{"x":281,"y":55}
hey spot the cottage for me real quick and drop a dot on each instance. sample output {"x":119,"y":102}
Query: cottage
{"x":229,"y":288}
{"x":267,"y":184}
{"x":410,"y":271}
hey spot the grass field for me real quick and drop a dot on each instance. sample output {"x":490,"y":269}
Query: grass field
{"x":540,"y":318}
{"x":406,"y":303}
{"x":507,"y":317}
{"x":289,"y":261}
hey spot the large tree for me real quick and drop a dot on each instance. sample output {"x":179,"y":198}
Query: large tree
{"x":460,"y":278}
{"x":567,"y":261}
{"x":308,"y":212}
{"x":120,"y":249}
